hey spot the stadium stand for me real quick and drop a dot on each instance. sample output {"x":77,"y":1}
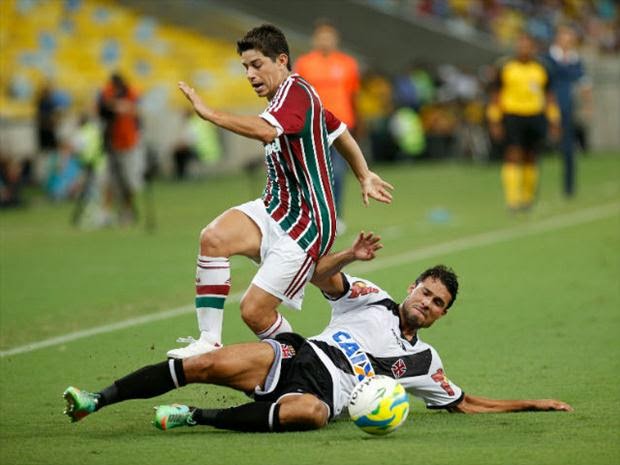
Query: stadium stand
{"x":77,"y":43}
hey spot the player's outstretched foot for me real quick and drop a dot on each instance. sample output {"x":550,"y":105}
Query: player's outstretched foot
{"x":79,"y":403}
{"x":172,"y":416}
{"x":194,"y":347}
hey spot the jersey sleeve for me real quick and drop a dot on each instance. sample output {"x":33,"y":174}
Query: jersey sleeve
{"x":434,"y":388}
{"x":359,"y":294}
{"x":334,"y":126}
{"x":288,"y":109}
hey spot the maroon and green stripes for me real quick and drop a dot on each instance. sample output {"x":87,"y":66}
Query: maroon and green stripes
{"x":299,"y":195}
{"x":212,"y":296}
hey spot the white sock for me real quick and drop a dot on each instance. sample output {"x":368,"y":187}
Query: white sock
{"x":212,"y":288}
{"x":281,"y":325}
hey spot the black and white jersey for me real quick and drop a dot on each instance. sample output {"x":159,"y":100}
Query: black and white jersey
{"x":363,"y":339}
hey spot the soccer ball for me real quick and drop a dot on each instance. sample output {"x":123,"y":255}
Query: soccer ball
{"x":379,"y":405}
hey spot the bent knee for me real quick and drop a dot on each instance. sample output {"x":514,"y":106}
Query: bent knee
{"x":316,"y":414}
{"x":212,"y":242}
{"x":307,"y":412}
{"x":257,"y":315}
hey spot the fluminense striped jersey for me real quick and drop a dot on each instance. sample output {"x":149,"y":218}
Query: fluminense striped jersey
{"x":299,"y":195}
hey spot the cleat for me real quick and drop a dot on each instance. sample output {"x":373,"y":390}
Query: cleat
{"x":194,"y":347}
{"x":172,"y":416}
{"x":79,"y":403}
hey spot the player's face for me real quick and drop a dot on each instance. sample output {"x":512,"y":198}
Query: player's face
{"x":264,"y":74}
{"x":325,"y":39}
{"x":426,"y":303}
{"x":526,"y":47}
{"x":566,"y":38}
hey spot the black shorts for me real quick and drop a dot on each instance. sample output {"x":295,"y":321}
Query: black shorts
{"x":301,"y":372}
{"x":527,"y":132}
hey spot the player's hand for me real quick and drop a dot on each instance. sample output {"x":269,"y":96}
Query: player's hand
{"x":552,"y":405}
{"x":496,"y":130}
{"x":555,"y":131}
{"x":375,"y":187}
{"x":199,"y":107}
{"x":365,"y":246}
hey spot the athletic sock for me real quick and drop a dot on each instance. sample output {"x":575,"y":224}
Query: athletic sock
{"x":512,"y":182}
{"x":149,"y":381}
{"x":212,"y":288}
{"x":281,"y":325}
{"x":530,"y":183}
{"x":252,"y":417}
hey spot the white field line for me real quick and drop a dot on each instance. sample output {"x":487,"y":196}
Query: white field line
{"x":493,"y":237}
{"x":479,"y":240}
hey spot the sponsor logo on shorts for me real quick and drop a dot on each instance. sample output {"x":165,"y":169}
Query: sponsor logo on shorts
{"x":287,"y":351}
{"x":362,"y":368}
{"x":360,"y":288}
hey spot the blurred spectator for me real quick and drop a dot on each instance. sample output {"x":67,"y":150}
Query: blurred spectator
{"x":87,"y":143}
{"x":47,"y":118}
{"x":440,"y":121}
{"x":597,"y":20}
{"x":516,"y":115}
{"x":118,"y":109}
{"x":415,"y":87}
{"x":567,"y":72}
{"x":63,"y":173}
{"x":424,"y":82}
{"x":473,"y":136}
{"x":10,"y":182}
{"x":198,"y":141}
{"x":408,"y":133}
{"x":335,"y":77}
{"x":375,"y":106}
{"x":405,"y":89}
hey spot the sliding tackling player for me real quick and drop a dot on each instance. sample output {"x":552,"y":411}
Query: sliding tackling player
{"x":301,"y":384}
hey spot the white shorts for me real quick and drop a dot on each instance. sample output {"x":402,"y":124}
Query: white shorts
{"x":285,"y":268}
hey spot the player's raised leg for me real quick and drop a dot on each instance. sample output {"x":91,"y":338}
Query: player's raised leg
{"x":232,"y":233}
{"x":259,"y":312}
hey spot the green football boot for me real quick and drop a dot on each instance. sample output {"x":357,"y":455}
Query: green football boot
{"x":172,"y":416}
{"x":79,"y":403}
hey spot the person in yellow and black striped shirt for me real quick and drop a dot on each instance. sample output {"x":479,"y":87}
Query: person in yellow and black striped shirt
{"x":520,"y":107}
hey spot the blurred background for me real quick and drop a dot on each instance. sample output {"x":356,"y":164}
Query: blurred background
{"x":425,"y":67}
{"x":97,"y":256}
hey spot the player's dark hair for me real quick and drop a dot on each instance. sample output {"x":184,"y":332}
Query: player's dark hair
{"x":324,"y":22}
{"x":446,"y":275}
{"x":267,"y":39}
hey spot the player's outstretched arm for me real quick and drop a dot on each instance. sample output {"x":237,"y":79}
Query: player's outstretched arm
{"x":326,"y":274}
{"x":252,"y":127}
{"x":474,"y":404}
{"x":371,"y":183}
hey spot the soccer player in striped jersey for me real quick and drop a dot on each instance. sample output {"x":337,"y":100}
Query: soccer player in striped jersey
{"x":294,"y":223}
{"x":299,"y":383}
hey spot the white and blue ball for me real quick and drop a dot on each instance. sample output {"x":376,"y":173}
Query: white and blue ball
{"x":378,"y":405}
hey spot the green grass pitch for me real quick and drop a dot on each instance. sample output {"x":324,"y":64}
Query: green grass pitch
{"x":538,"y":317}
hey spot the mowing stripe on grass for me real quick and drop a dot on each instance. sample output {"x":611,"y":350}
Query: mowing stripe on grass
{"x":479,"y":240}
{"x":493,"y":237}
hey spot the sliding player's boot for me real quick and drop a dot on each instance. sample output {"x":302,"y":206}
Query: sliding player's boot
{"x":79,"y":403}
{"x":172,"y":416}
